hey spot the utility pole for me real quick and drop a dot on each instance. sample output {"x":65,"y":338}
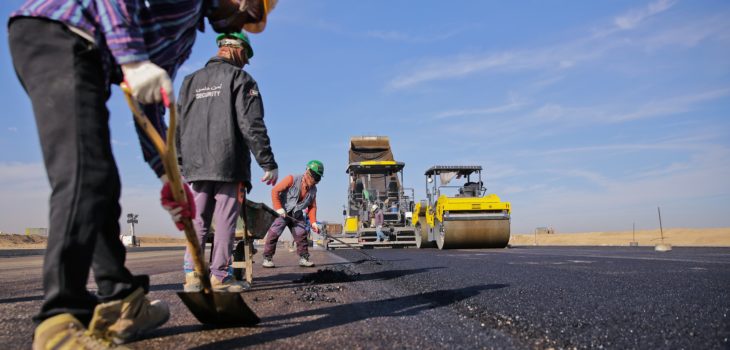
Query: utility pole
{"x":661,"y":230}
{"x":633,"y":242}
{"x":662,"y":247}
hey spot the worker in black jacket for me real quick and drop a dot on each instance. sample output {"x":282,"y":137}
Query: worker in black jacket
{"x":221,"y":123}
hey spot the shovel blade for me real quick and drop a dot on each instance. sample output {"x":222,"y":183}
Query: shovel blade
{"x":219,"y":308}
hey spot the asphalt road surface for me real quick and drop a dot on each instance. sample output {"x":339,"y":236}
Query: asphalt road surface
{"x":519,"y":298}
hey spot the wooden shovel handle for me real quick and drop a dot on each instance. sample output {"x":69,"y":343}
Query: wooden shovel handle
{"x":168,"y":156}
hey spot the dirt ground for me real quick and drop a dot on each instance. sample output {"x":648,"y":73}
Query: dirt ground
{"x":681,"y":237}
{"x":16,"y":241}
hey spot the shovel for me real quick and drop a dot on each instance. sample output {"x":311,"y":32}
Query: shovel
{"x":370,"y":257}
{"x":217,"y":308}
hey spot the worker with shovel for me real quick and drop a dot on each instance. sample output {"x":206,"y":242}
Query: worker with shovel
{"x":290,"y":198}
{"x":222,"y":123}
{"x":67,"y":54}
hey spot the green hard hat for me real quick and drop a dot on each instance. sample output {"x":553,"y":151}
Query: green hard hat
{"x":240,"y":36}
{"x":316,"y":166}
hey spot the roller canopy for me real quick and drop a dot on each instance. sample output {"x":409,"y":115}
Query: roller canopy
{"x":460,"y":169}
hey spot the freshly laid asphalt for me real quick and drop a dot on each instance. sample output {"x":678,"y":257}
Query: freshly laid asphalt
{"x":615,"y":298}
{"x":524,"y":297}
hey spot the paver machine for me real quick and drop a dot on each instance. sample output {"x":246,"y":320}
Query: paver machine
{"x":458,"y":213}
{"x":375,"y":178}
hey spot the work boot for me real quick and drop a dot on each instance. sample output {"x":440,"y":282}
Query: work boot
{"x":304,"y":262}
{"x":193,"y":283}
{"x":229,"y":285}
{"x":137,"y":316}
{"x":64,"y":331}
{"x":268,"y":263}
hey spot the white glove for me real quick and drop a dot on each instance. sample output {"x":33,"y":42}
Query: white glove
{"x":146,"y":79}
{"x":281,"y":212}
{"x":270,"y":177}
{"x":315,"y":227}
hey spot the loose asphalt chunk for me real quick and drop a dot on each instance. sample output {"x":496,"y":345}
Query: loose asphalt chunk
{"x":322,"y":276}
{"x":315,"y":292}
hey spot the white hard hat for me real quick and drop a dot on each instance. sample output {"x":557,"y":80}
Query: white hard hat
{"x":375,"y":206}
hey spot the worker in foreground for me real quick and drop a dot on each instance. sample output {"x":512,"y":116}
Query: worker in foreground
{"x":67,"y":54}
{"x":221,"y":116}
{"x":290,"y":198}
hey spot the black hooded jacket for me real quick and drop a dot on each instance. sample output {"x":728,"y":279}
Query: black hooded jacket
{"x":221,"y":123}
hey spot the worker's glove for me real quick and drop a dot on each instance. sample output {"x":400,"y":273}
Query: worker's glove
{"x":281,"y":212}
{"x":270,"y":176}
{"x":148,"y":82}
{"x":315,"y":227}
{"x":178,"y":210}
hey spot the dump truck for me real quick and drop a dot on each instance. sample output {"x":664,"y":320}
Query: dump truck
{"x":375,"y":178}
{"x":458,"y":213}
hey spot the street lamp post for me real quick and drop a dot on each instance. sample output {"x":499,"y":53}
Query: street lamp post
{"x":131,"y":220}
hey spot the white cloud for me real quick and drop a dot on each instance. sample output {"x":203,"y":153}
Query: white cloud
{"x":670,"y":106}
{"x":552,"y":58}
{"x":564,"y":56}
{"x":634,"y":17}
{"x":547,"y":81}
{"x":662,"y":171}
{"x":456,"y":67}
{"x":696,"y":143}
{"x":509,"y":107}
{"x":691,"y":33}
{"x":590,"y":176}
{"x":605,"y":114}
{"x":676,"y":185}
{"x":394,"y":35}
{"x":388,"y":35}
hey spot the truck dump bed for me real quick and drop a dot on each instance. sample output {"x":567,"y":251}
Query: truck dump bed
{"x":367,"y":148}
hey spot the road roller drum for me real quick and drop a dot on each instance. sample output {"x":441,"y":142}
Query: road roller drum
{"x":463,"y":234}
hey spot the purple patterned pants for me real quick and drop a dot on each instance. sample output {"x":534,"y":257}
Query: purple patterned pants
{"x":216,"y":202}
{"x":298,"y":231}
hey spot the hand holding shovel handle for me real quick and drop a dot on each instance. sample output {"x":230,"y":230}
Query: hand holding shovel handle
{"x":168,"y":155}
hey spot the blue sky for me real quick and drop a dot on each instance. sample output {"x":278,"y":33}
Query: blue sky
{"x":586,"y":115}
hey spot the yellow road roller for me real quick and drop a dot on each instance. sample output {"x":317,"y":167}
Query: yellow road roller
{"x":458,"y":213}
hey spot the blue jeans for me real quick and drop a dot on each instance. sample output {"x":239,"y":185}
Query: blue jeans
{"x":379,"y":232}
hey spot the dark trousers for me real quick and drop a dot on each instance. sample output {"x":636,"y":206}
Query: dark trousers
{"x":62,"y":73}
